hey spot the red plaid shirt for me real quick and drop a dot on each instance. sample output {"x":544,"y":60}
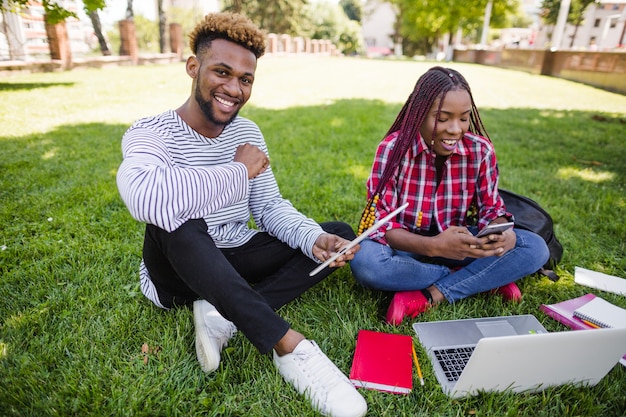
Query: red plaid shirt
{"x":470,"y":175}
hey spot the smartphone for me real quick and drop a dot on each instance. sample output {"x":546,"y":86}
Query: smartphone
{"x":495,"y":229}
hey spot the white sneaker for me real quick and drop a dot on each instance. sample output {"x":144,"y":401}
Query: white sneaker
{"x":212,"y":333}
{"x":310,"y":371}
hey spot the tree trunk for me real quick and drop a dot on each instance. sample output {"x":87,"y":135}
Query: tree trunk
{"x":579,"y":20}
{"x":97,"y":29}
{"x":161,"y":26}
{"x":129,"y":10}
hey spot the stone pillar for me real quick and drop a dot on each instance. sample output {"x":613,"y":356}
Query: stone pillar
{"x":315,"y":44}
{"x":285,"y":43}
{"x":272,"y":43}
{"x":176,"y":40}
{"x":298,"y":45}
{"x":128,"y":40}
{"x":59,"y":44}
{"x":326,"y":46}
{"x":308,"y":46}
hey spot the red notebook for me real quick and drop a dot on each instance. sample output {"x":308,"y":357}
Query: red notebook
{"x":383,"y":362}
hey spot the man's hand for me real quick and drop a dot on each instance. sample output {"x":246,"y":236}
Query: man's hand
{"x":327,"y":245}
{"x":253,"y":158}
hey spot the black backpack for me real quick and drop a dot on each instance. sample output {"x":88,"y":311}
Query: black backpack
{"x":529,"y":215}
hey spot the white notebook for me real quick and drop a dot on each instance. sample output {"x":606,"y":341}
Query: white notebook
{"x":599,"y":280}
{"x":602,"y":313}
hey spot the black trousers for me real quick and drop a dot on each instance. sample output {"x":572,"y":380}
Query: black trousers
{"x":246,"y":284}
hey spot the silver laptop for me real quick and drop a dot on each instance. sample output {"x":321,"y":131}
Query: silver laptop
{"x":516,"y":353}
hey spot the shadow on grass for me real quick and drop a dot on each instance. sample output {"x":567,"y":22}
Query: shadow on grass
{"x":4,"y":86}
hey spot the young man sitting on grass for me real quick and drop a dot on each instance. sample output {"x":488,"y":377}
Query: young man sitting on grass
{"x":195,"y":176}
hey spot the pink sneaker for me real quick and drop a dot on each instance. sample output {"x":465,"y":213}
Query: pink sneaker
{"x":406,"y":303}
{"x":510,"y":292}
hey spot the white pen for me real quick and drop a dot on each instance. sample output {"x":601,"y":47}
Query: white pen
{"x":358,"y":239}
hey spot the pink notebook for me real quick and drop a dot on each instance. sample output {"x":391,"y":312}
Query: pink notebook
{"x":563,"y":312}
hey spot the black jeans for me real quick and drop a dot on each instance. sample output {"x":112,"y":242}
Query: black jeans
{"x":246,"y":284}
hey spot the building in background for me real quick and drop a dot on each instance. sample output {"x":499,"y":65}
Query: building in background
{"x":603,"y":28}
{"x":377,"y":23}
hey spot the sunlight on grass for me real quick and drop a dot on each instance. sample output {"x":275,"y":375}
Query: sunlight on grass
{"x":337,"y":121}
{"x":282,"y":82}
{"x":3,"y":350}
{"x":50,"y":154}
{"x":359,"y":172}
{"x":586,"y":174}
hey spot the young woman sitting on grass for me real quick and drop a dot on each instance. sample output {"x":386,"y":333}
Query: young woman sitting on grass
{"x":437,"y":156}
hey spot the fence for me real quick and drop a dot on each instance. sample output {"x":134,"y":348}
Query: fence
{"x":62,"y":59}
{"x":606,"y":70}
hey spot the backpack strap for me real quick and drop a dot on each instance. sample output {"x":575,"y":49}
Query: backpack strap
{"x":554,"y":277}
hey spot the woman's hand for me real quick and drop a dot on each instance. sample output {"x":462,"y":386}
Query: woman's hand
{"x":502,"y":242}
{"x":456,"y":242}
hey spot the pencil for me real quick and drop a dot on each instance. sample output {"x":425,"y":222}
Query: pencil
{"x":417,"y":364}
{"x":588,"y":323}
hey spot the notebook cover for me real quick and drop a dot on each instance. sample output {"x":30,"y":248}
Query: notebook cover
{"x":563,"y":312}
{"x":602,"y":313}
{"x":383,"y":362}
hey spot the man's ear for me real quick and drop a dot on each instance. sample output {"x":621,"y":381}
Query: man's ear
{"x":192,"y":66}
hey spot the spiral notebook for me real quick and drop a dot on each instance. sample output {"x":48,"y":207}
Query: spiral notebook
{"x":602,"y":313}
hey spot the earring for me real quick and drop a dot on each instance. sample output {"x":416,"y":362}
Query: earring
{"x":432,"y":142}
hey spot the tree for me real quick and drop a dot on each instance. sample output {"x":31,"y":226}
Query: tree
{"x":329,"y":21}
{"x":147,"y":32}
{"x":576,"y":15}
{"x":130,"y":14}
{"x":162,"y":23}
{"x":318,"y":20}
{"x":97,"y":29}
{"x":424,"y":22}
{"x":577,"y":10}
{"x":53,"y":12}
{"x":274,"y":16}
{"x":353,"y":9}
{"x":91,"y":8}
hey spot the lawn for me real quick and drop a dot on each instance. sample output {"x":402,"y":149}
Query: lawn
{"x":77,"y":338}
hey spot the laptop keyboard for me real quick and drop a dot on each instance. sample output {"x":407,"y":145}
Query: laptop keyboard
{"x":453,"y":360}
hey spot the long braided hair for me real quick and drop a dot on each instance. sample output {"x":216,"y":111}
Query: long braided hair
{"x":432,"y":85}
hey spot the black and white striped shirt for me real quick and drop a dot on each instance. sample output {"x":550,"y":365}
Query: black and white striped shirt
{"x":171,"y":173}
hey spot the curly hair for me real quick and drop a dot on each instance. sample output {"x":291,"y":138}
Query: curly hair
{"x":232,"y":27}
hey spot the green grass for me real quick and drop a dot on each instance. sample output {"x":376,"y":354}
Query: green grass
{"x":73,"y":321}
